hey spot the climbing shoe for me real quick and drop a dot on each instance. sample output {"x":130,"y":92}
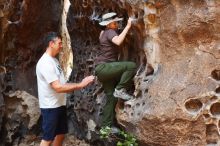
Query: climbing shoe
{"x":121,"y":93}
{"x":105,"y":131}
{"x":115,"y":130}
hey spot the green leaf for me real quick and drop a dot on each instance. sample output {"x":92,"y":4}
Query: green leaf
{"x":119,"y":143}
{"x":125,"y":135}
{"x":127,"y":139}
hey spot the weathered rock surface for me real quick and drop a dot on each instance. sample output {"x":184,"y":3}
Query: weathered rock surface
{"x":21,"y":113}
{"x":178,"y":103}
{"x":31,"y":104}
{"x":23,"y":24}
{"x":180,"y":41}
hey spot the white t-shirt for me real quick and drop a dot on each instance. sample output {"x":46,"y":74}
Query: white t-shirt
{"x":48,"y":70}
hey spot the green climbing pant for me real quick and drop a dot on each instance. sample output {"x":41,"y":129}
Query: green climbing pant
{"x":113,"y":75}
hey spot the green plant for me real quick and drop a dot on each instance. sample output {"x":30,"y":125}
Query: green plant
{"x":105,"y":132}
{"x":122,"y":138}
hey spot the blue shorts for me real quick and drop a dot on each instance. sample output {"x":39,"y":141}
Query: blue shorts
{"x":54,"y":122}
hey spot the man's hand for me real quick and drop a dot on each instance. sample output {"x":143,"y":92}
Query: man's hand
{"x":69,"y":87}
{"x":87,"y":80}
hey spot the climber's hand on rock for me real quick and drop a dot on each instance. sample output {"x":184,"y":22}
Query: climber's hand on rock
{"x":129,"y":22}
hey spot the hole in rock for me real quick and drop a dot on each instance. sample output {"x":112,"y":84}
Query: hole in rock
{"x":89,"y":61}
{"x":136,"y":15}
{"x":8,"y":77}
{"x":216,"y":74}
{"x":146,"y":90}
{"x":75,"y":105}
{"x":193,"y":105}
{"x":206,"y":115}
{"x":217,"y":90}
{"x":215,"y":109}
{"x":213,"y":98}
{"x":138,"y":104}
{"x":150,"y":70}
{"x":128,"y":106}
{"x":141,"y":14}
{"x":90,"y":100}
{"x":87,"y":43}
{"x":139,"y":94}
{"x":72,"y":98}
{"x":211,"y":143}
{"x":120,"y":105}
{"x":145,"y":80}
{"x":152,"y":18}
{"x":90,"y":68}
{"x":8,"y":89}
{"x":211,"y":134}
{"x":100,"y":111}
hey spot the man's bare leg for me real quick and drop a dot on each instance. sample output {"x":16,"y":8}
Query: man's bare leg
{"x":58,"y":141}
{"x":45,"y":143}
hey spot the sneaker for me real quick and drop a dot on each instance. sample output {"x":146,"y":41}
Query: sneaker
{"x":115,"y":130}
{"x":122,"y":94}
{"x":109,"y":130}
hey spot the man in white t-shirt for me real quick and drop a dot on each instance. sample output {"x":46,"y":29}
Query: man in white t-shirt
{"x":51,"y":92}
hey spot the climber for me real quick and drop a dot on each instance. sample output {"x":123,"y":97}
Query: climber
{"x":116,"y":76}
{"x":51,"y":89}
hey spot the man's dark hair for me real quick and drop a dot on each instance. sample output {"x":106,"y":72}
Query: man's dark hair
{"x":49,"y":37}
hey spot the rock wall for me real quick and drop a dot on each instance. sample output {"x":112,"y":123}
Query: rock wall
{"x":175,"y":44}
{"x":23,"y":24}
{"x":180,"y":100}
{"x":179,"y":40}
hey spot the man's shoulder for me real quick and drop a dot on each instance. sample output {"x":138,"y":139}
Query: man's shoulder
{"x":44,"y":58}
{"x":43,"y":61}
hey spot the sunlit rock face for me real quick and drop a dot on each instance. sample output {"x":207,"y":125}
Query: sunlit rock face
{"x":66,"y":54}
{"x":178,"y":103}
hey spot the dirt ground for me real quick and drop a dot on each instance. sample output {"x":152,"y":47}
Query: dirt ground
{"x":69,"y":141}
